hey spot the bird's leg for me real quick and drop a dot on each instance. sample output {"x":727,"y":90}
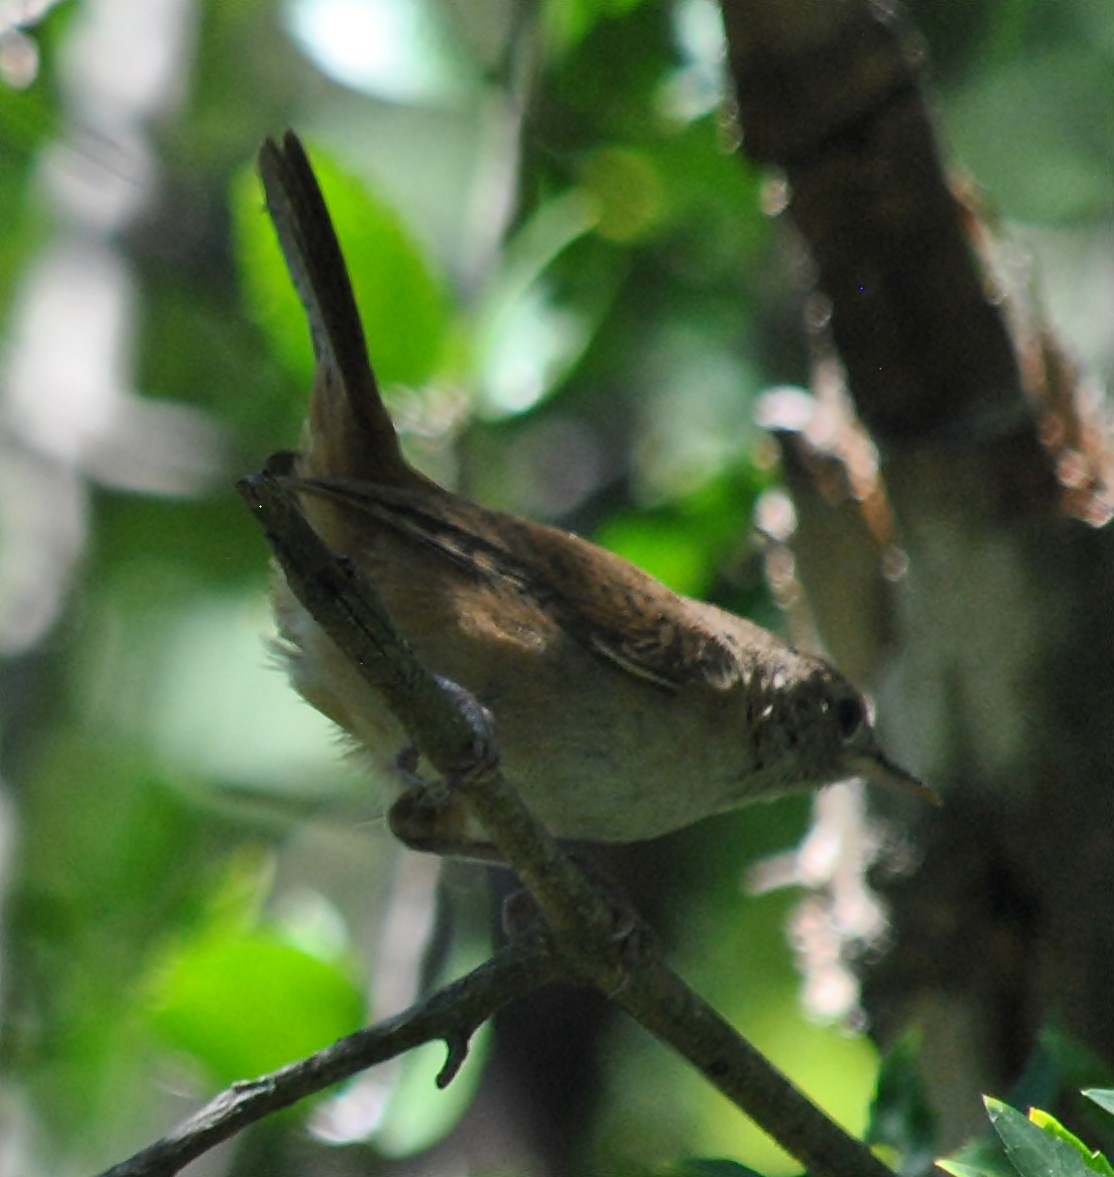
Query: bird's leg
{"x":432,"y":817}
{"x":634,"y":939}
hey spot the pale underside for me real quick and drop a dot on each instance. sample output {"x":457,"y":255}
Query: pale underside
{"x":610,"y":732}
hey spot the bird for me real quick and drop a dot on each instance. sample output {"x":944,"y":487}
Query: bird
{"x":623,"y":710}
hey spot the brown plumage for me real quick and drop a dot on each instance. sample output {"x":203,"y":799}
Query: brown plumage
{"x":623,"y":710}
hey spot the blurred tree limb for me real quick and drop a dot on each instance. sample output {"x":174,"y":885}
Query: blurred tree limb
{"x":973,"y":460}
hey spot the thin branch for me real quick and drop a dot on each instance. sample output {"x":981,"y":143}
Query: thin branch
{"x":452,"y":1014}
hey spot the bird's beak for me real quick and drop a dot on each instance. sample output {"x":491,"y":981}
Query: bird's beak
{"x":877,"y":768}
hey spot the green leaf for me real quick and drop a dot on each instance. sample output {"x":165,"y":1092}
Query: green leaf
{"x":245,"y":1002}
{"x":1103,"y":1096}
{"x":1033,"y":1151}
{"x":1060,"y":1063}
{"x":1092,"y":1158}
{"x":402,"y":302}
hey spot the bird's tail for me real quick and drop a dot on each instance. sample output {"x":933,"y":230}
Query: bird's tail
{"x":349,"y":434}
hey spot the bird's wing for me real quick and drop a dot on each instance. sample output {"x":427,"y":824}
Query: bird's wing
{"x":605,"y":602}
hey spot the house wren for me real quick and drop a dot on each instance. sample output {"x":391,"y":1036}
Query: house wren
{"x":623,"y":710}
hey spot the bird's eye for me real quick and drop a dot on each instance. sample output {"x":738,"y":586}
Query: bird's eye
{"x":849,"y":717}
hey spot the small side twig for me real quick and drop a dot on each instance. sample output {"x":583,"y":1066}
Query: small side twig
{"x":452,"y":1014}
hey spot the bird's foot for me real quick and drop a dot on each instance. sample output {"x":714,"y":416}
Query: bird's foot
{"x":432,"y":816}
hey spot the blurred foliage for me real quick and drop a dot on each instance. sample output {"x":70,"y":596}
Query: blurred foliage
{"x":401,"y":302}
{"x":902,"y":1125}
{"x":573,"y":296}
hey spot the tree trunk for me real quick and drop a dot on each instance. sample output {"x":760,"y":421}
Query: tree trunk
{"x":964,"y":577}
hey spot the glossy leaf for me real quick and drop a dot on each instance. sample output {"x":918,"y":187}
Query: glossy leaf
{"x":1033,"y":1151}
{"x":1093,"y":1159}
